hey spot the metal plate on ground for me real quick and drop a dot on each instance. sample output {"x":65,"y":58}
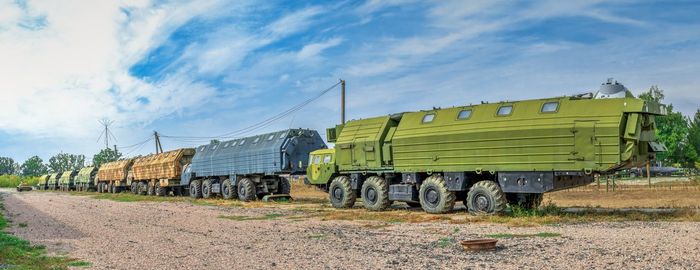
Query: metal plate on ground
{"x":479,"y":244}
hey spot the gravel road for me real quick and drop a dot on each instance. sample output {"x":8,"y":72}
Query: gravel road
{"x":148,"y":235}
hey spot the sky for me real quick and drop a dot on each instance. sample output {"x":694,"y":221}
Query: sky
{"x":191,"y":70}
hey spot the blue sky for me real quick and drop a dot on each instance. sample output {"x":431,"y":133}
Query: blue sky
{"x":199,"y":69}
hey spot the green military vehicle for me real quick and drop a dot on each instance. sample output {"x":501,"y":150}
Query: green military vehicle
{"x":85,"y":180}
{"x":486,"y":155}
{"x":67,"y":181}
{"x":42,"y":185}
{"x":52,"y":182}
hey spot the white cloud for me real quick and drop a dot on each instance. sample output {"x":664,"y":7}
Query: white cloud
{"x":314,"y":49}
{"x":59,"y":79}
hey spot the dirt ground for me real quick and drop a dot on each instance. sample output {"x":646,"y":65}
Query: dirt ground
{"x":183,"y":235}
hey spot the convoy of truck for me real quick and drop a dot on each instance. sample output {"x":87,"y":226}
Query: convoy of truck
{"x":488,"y":156}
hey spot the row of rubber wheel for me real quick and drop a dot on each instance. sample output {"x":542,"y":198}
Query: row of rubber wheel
{"x":245,"y":190}
{"x":434,"y":197}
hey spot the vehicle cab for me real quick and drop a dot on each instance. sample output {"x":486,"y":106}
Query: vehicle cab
{"x":321,"y":166}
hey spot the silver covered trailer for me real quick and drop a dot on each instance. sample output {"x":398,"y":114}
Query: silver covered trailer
{"x":250,"y":167}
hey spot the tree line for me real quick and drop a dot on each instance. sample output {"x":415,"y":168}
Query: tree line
{"x":35,"y":166}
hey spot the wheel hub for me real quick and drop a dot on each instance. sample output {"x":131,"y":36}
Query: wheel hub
{"x":241,"y":192}
{"x":337,"y":194}
{"x":432,"y":196}
{"x":371,"y":195}
{"x":482,"y":203}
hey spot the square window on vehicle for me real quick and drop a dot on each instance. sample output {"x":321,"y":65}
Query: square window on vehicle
{"x":428,"y":118}
{"x":505,"y":110}
{"x":326,"y":159}
{"x":271,"y":137}
{"x":283,"y":135}
{"x":241,"y":142}
{"x":317,"y":159}
{"x":256,"y":140}
{"x":464,"y":114}
{"x":550,"y":107}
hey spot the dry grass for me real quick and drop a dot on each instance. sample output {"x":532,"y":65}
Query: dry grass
{"x":311,"y":202}
{"x":639,"y":198}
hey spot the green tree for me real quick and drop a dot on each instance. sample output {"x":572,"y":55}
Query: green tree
{"x":7,"y":166}
{"x":104,"y":156}
{"x":34,"y":166}
{"x":694,"y":133}
{"x":673,"y":130}
{"x":66,"y":162}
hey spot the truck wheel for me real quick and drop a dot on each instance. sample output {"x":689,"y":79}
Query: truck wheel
{"x":486,"y":197}
{"x":228,"y":190}
{"x":375,"y":194}
{"x":134,"y":187}
{"x":434,"y":196}
{"x":143,"y":188}
{"x":195,"y":189}
{"x":525,"y":200}
{"x":340,"y":193}
{"x":206,"y":189}
{"x":160,"y":191}
{"x":246,"y":190}
{"x":284,"y":187}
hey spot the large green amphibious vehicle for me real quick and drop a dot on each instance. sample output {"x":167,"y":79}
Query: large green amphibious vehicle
{"x":487,"y":155}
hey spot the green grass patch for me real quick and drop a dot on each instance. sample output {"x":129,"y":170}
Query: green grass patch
{"x":246,"y":218}
{"x":444,"y":242}
{"x":80,"y":264}
{"x":16,"y":253}
{"x":510,"y":235}
{"x":317,"y":236}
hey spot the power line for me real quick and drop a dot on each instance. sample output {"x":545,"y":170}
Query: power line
{"x":262,"y":124}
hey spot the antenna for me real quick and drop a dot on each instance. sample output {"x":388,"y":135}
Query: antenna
{"x":342,"y":101}
{"x":106,"y":133}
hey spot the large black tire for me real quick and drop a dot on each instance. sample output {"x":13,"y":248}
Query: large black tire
{"x":375,"y":194}
{"x":228,"y":191}
{"x":525,"y":200}
{"x":340,"y":193}
{"x":110,"y":188}
{"x":434,"y":196}
{"x":161,"y":191}
{"x":283,"y":186}
{"x":206,"y":189}
{"x":196,"y":189}
{"x":151,"y":190}
{"x":246,"y":190}
{"x":486,"y":197}
{"x":135,"y":187}
{"x":143,"y":188}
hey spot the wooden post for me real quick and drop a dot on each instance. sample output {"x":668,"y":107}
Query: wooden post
{"x":649,"y":172}
{"x":613,"y":177}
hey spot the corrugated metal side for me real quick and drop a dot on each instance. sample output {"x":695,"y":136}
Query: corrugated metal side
{"x":581,"y":134}
{"x":43,"y":179}
{"x":115,"y":170}
{"x":53,"y":178}
{"x":260,"y":154}
{"x":359,"y":145}
{"x":68,"y":177}
{"x":166,"y":165}
{"x":85,"y":175}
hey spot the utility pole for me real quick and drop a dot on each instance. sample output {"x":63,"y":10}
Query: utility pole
{"x":159,"y":148}
{"x":106,"y":123}
{"x":342,"y":101}
{"x":115,"y":148}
